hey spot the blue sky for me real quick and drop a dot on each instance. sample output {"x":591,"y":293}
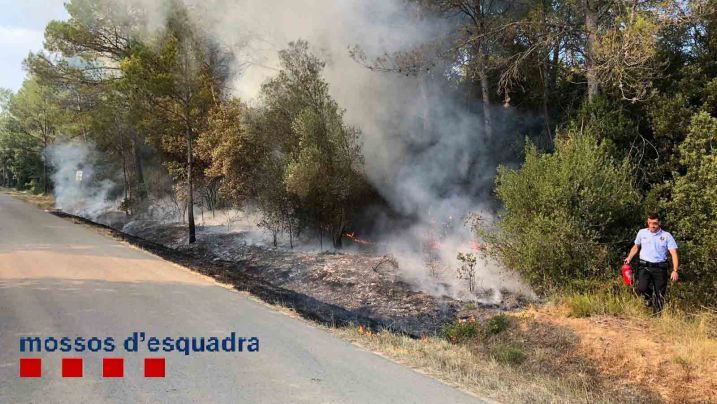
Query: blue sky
{"x":22,"y":25}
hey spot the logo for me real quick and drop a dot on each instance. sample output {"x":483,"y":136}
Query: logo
{"x":662,"y":238}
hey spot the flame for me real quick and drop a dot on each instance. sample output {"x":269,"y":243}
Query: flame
{"x":352,"y":237}
{"x":364,"y":331}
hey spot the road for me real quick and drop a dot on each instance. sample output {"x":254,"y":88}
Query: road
{"x":60,"y":279}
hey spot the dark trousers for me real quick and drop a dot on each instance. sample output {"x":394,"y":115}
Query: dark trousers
{"x":652,"y":285}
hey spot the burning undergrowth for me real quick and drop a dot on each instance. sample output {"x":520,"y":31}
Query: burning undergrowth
{"x":356,"y":285}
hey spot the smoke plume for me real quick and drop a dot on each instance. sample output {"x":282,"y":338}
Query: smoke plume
{"x":78,"y":188}
{"x":425,"y":146}
{"x":426,"y":149}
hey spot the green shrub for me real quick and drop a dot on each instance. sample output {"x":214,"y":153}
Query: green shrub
{"x":691,"y":211}
{"x":497,"y":324}
{"x":508,"y":353}
{"x":568,"y":215}
{"x":460,"y":331}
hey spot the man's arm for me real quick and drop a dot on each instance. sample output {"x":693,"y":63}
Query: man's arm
{"x":675,"y":264}
{"x":635,"y":249}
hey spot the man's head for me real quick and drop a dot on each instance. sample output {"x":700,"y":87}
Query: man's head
{"x":653,"y":222}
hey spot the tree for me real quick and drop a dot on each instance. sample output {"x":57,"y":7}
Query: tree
{"x":325,"y":174}
{"x":319,"y":155}
{"x":484,"y":19}
{"x":85,"y":54}
{"x":36,"y":113}
{"x":236,"y":153}
{"x":20,"y":162}
{"x":179,"y":79}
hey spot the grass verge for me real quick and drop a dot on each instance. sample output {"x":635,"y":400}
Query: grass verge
{"x":548,"y":354}
{"x":42,"y":201}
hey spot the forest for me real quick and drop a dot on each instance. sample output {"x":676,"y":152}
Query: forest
{"x":566,"y":121}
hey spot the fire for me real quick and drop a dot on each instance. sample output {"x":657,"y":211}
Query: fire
{"x":364,"y":331}
{"x":352,"y":236}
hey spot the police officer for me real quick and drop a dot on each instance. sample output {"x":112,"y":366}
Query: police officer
{"x":653,"y":244}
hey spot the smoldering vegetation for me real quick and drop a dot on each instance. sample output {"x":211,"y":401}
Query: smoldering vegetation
{"x":267,"y":135}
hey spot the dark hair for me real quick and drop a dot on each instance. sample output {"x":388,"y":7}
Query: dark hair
{"x":654,"y":216}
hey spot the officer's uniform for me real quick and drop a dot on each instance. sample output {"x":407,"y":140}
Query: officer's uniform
{"x":653,"y":275}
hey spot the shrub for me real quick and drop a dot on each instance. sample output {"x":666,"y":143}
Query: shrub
{"x":508,"y":353}
{"x":460,"y":331}
{"x":497,"y":324}
{"x":692,"y":211}
{"x":568,"y":215}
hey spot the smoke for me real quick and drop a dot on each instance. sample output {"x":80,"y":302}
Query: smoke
{"x":425,"y":146}
{"x":426,"y":149}
{"x":78,"y":187}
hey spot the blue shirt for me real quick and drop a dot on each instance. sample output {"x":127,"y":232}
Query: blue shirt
{"x":654,"y":246}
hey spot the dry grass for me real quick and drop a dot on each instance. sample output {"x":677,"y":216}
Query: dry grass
{"x":42,"y":201}
{"x":545,"y":355}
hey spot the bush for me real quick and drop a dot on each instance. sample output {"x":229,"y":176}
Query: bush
{"x":460,"y":331}
{"x":497,"y":324}
{"x":508,"y":353}
{"x":692,"y":211}
{"x":568,"y":214}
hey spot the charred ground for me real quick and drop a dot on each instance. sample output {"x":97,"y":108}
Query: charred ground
{"x":335,"y":288}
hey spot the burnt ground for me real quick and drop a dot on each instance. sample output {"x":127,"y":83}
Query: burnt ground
{"x":329,"y":287}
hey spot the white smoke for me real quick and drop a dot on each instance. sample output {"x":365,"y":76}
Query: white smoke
{"x":425,"y":148}
{"x":76,"y":186}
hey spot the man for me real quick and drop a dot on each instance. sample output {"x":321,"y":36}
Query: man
{"x":653,"y":243}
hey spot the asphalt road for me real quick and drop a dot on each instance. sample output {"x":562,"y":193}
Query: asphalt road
{"x":59,"y":279}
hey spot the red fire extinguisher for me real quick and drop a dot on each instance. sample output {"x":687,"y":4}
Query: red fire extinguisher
{"x":627,"y":274}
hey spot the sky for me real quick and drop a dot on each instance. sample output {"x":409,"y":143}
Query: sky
{"x":22,"y":26}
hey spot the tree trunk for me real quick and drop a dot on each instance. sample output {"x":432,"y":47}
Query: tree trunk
{"x":138,"y":165}
{"x":546,"y":73}
{"x":126,"y":184}
{"x":190,"y":188}
{"x":554,"y":66}
{"x":338,"y":240}
{"x":485,"y":92}
{"x":44,"y":166}
{"x":546,"y":111}
{"x":339,"y":231}
{"x":591,"y":27}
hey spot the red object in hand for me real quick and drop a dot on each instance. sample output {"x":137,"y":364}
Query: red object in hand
{"x":627,"y":274}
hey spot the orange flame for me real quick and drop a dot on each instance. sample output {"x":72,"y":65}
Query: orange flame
{"x":352,"y":237}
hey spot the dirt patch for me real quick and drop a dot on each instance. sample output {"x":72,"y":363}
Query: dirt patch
{"x":680,"y":365}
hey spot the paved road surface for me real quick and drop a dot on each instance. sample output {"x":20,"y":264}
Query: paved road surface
{"x":61,"y":279}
